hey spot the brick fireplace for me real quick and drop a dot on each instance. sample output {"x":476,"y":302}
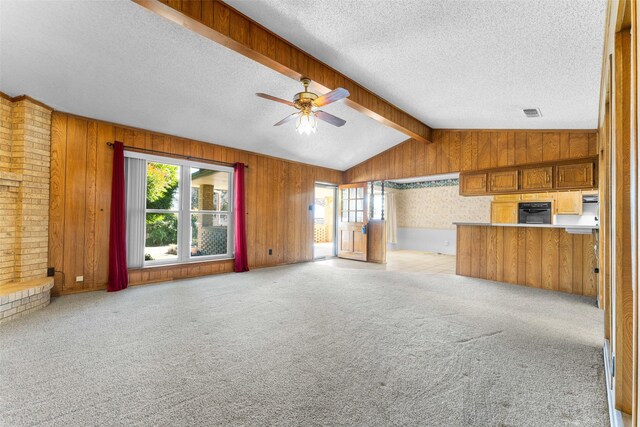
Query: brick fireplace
{"x":25,"y":145}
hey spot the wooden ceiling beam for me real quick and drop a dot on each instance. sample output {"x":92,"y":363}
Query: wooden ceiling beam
{"x":221,"y":23}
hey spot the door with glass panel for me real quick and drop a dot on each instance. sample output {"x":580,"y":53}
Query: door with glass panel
{"x":352,"y":227}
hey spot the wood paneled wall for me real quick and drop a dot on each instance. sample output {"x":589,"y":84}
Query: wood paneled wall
{"x":469,"y":150}
{"x":624,"y":304}
{"x":547,"y":258}
{"x":618,"y":142}
{"x":278,"y":195}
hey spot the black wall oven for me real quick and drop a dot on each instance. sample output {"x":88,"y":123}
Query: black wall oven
{"x":534,"y":213}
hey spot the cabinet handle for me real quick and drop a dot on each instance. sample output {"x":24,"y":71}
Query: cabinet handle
{"x":561,"y":176}
{"x":548,"y":178}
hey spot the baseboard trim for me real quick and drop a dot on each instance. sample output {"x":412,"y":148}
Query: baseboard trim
{"x":616,"y":418}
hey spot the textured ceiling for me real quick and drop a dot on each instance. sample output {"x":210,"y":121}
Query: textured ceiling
{"x":113,"y":60}
{"x":457,"y":64}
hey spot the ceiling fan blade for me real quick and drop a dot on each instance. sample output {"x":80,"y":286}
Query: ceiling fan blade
{"x":330,"y":118}
{"x":287,"y":119}
{"x":273,"y":98}
{"x":333,"y":96}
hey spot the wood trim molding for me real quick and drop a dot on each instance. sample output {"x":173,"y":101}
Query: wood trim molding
{"x":33,"y":101}
{"x":622,"y":222}
{"x":25,"y":97}
{"x":222,"y":24}
{"x":518,"y":130}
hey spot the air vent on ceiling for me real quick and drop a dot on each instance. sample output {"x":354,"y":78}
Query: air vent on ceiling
{"x":532,"y":112}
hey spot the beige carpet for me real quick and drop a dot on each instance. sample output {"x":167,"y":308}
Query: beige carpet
{"x":403,"y":261}
{"x":307,"y":345}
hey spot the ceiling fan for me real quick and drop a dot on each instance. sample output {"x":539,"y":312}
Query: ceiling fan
{"x":308,"y":104}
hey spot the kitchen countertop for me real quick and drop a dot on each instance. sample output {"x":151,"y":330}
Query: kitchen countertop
{"x":572,"y":227}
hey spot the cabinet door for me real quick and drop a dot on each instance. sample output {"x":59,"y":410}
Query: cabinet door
{"x":575,"y":176}
{"x":507,"y":197}
{"x":503,"y":181}
{"x":536,"y":197}
{"x":473,"y":184}
{"x":569,"y":203}
{"x":537,"y":178}
{"x":531,"y":197}
{"x":504,"y":212}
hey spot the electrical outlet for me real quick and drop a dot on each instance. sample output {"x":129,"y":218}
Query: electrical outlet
{"x":79,"y":278}
{"x":446,"y":243}
{"x":270,"y":251}
{"x":51,"y":271}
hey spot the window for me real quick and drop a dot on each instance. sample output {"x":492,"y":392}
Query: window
{"x":185,"y":214}
{"x":209,"y":212}
{"x":162,"y":213}
{"x":378,"y":200}
{"x":352,"y":209}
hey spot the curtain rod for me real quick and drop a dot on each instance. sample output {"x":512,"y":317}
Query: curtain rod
{"x":149,"y":150}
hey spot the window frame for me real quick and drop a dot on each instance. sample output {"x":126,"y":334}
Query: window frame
{"x":184,"y":212}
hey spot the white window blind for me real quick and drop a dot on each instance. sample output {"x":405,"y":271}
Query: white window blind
{"x":135,"y":171}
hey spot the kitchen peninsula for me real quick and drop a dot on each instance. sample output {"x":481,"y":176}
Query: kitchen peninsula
{"x":548,"y":256}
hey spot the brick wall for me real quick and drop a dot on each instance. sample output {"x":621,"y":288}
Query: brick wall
{"x":25,"y":145}
{"x":6,"y":107}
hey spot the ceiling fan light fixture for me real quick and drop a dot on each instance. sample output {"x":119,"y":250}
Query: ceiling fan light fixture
{"x":306,"y":123}
{"x":308,"y":104}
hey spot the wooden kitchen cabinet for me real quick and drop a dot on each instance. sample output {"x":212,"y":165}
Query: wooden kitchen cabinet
{"x":534,"y":179}
{"x":569,"y":203}
{"x":575,"y":176}
{"x":507,"y":197}
{"x":541,"y":197}
{"x":504,"y":212}
{"x":534,"y":197}
{"x":473,"y":184}
{"x":537,"y":178}
{"x":503,"y":181}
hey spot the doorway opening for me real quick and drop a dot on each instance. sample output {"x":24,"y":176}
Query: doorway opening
{"x":324,"y":221}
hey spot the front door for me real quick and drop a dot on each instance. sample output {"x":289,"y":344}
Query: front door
{"x":352,"y":234}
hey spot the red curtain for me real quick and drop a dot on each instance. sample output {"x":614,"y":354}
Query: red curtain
{"x":239,"y":220}
{"x":118,"y":276}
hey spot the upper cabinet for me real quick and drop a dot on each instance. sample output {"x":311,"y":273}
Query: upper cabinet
{"x":473,"y":184}
{"x":575,"y":176}
{"x":546,"y":177}
{"x":537,"y":178}
{"x":503,"y":181}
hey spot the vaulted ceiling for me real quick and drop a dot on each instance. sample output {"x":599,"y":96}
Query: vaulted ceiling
{"x":462,"y":64}
{"x":116,"y":61}
{"x":457,"y":64}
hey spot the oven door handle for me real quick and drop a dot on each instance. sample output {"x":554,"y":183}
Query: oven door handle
{"x":534,"y":210}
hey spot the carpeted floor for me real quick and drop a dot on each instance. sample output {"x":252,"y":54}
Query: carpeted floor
{"x":308,"y":345}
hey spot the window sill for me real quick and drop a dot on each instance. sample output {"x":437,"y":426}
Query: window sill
{"x":180,"y":264}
